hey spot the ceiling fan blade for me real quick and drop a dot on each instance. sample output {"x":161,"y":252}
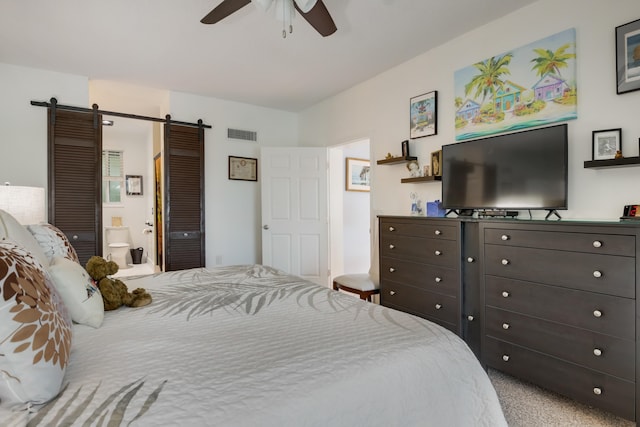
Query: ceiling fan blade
{"x":319,"y":18}
{"x":224,"y":9}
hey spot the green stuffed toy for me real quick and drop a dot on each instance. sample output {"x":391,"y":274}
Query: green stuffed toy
{"x":114,"y":291}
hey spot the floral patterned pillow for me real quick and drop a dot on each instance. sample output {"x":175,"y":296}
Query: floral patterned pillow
{"x":53,"y":241}
{"x":35,"y":329}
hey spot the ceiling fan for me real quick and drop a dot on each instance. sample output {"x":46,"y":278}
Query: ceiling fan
{"x":313,"y":11}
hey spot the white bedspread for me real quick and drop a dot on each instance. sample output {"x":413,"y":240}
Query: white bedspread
{"x":251,"y":346}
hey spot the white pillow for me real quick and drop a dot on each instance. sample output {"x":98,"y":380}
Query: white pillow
{"x":78,"y":291}
{"x":12,"y":230}
{"x":52,"y":241}
{"x":35,"y":330}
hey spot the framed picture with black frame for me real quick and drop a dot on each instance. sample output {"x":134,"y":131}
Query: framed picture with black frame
{"x":243,"y":168}
{"x":405,"y":148}
{"x":606,"y":143}
{"x":423,"y":111}
{"x":628,"y":57}
{"x":134,"y":185}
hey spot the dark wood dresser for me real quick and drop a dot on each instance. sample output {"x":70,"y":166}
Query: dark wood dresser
{"x":420,"y":268}
{"x":560,"y":308}
{"x":552,"y":303}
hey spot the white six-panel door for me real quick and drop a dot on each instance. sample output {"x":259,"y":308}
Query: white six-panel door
{"x":294,"y":211}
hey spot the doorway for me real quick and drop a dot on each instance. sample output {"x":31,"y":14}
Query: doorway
{"x":131,"y":142}
{"x":350,"y":213}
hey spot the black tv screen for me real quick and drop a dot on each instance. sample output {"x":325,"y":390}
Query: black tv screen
{"x":517,"y":171}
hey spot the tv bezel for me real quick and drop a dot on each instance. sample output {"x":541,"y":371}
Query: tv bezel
{"x":563,"y":206}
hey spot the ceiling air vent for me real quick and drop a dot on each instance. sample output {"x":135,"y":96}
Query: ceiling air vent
{"x":244,"y":135}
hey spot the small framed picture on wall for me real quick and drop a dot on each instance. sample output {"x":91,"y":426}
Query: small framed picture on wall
{"x":423,"y":110}
{"x":405,"y":148}
{"x":606,"y":143}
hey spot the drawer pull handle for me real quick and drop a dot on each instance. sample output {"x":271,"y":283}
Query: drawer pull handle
{"x":392,"y":229}
{"x":185,"y":234}
{"x":597,"y":274}
{"x":75,"y":237}
{"x":438,"y":279}
{"x":597,"y":391}
{"x":597,"y":244}
{"x":597,"y":313}
{"x":505,"y":261}
{"x":504,"y":237}
{"x":438,"y":253}
{"x":470,"y":318}
{"x":470,"y":259}
{"x":505,"y":326}
{"x":392,"y":293}
{"x":438,"y":306}
{"x":391,"y":269}
{"x":505,"y":357}
{"x":437,"y":232}
{"x":597,"y":352}
{"x":391,"y":246}
{"x":505,"y":294}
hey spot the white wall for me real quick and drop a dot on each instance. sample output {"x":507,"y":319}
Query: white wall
{"x":356,"y":214}
{"x":379,"y":107}
{"x":233,"y":217}
{"x":23,"y":127}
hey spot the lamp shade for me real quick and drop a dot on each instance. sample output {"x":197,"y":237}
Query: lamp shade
{"x":25,"y":204}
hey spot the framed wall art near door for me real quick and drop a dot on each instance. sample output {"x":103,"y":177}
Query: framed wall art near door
{"x":134,"y":185}
{"x":423,"y":111}
{"x":628,"y":57}
{"x":358,"y":174}
{"x":243,"y":168}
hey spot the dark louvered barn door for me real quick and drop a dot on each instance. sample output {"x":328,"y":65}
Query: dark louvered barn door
{"x":74,"y":149}
{"x":184,"y":197}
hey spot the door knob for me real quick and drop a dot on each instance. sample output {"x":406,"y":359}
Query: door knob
{"x":266,"y":226}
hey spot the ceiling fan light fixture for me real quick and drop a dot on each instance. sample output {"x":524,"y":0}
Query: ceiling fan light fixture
{"x":263,"y":4}
{"x":306,"y":5}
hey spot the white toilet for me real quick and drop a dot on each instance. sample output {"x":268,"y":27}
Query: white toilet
{"x":118,"y":245}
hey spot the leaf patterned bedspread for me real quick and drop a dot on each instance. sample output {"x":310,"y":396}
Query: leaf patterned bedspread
{"x":252,"y":346}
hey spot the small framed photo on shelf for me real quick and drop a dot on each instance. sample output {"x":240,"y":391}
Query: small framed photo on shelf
{"x":606,"y":143}
{"x":423,"y":111}
{"x":358,"y":172}
{"x":243,"y":168}
{"x":436,"y":163}
{"x":628,"y":57}
{"x":405,"y":148}
{"x":134,"y":185}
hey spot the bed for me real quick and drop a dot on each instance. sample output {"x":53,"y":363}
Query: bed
{"x":254,"y":346}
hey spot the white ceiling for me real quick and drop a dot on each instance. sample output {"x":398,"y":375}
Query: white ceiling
{"x":162,"y":44}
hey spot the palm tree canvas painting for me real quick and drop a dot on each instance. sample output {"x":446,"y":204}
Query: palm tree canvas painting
{"x":529,"y":86}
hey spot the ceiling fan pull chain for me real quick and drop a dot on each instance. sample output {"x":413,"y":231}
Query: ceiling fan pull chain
{"x":284,"y":32}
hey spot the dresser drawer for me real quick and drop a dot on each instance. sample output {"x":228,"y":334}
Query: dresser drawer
{"x":420,"y":302}
{"x":604,"y":353}
{"x":418,"y":228}
{"x":592,"y":388}
{"x":430,"y":251}
{"x":608,"y":274}
{"x":600,"y":313}
{"x":426,"y":276}
{"x":566,"y":241}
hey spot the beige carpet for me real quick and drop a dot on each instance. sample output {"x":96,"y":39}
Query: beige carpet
{"x":526,"y":405}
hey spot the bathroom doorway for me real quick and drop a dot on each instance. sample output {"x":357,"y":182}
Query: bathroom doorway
{"x":128,"y":160}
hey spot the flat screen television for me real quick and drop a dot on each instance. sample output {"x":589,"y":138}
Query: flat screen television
{"x":517,"y":171}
